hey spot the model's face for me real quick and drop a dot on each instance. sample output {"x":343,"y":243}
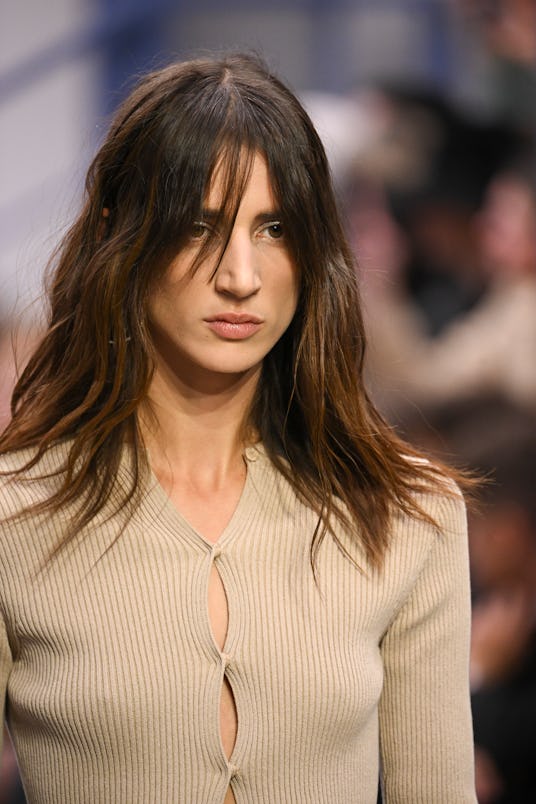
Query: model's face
{"x":226,"y":322}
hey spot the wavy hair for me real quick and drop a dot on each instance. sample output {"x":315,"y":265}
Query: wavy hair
{"x":145,"y":187}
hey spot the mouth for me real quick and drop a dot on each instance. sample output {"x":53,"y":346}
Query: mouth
{"x":234,"y":326}
{"x":235,"y":318}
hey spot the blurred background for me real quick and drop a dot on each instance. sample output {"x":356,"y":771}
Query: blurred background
{"x":427,"y":109}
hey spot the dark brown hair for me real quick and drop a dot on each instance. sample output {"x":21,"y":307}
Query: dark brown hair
{"x":93,"y":368}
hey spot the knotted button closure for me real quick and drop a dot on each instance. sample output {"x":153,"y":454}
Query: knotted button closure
{"x":251,"y":454}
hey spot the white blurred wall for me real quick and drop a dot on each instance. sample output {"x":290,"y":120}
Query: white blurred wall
{"x":48,"y":101}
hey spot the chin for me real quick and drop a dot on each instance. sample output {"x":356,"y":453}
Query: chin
{"x":232,"y":368}
{"x":231,"y":360}
{"x":218,"y":364}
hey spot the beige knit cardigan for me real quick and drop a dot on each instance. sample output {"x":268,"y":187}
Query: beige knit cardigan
{"x":111,"y":678}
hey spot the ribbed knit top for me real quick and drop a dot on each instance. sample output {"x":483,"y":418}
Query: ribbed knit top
{"x":112,"y":679}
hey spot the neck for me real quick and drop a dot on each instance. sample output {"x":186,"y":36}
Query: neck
{"x":197,"y":429}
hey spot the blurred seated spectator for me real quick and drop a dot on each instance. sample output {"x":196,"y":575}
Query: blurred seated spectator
{"x":490,"y":349}
{"x":505,"y":31}
{"x":503,"y":652}
{"x":509,"y":27}
{"x":497,"y":440}
{"x":434,"y":162}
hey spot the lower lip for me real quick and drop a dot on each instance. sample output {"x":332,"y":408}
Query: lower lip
{"x":234,"y":332}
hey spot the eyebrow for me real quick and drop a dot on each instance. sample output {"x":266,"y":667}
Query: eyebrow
{"x":212,"y":215}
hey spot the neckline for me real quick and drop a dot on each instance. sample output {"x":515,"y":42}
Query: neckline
{"x":161,"y":509}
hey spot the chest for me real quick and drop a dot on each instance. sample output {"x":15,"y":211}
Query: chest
{"x":149,"y":642}
{"x":146,"y":634}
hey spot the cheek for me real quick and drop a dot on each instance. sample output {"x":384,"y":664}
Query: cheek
{"x":158,"y":309}
{"x":289,"y":286}
{"x":287,"y":304}
{"x":169,"y":297}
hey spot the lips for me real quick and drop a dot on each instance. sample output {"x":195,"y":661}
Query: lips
{"x":235,"y":318}
{"x":234,"y":326}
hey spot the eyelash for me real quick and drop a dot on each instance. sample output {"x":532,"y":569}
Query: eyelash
{"x":199,"y":225}
{"x":276,"y":228}
{"x":275,"y":225}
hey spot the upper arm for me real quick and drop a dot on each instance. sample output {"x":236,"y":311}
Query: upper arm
{"x":425,"y":718}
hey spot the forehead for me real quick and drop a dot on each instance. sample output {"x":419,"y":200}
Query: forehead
{"x":247,"y":183}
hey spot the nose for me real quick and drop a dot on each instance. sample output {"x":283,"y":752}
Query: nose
{"x":238,"y":274}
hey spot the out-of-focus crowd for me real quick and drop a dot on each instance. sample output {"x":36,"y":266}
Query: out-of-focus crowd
{"x":440,"y":208}
{"x":441,"y":212}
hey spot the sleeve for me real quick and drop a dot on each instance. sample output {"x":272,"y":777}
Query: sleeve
{"x":426,"y":739}
{"x":5,"y":667}
{"x":6,"y":657}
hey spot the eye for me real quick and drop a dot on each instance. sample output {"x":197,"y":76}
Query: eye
{"x":199,"y":230}
{"x":274,"y":230}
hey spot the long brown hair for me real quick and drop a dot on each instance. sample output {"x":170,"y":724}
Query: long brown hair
{"x":144,"y":189}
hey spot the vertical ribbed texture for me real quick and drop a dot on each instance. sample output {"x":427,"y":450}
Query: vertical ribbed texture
{"x":114,"y":679}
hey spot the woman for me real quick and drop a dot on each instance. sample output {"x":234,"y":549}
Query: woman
{"x":223,"y":577}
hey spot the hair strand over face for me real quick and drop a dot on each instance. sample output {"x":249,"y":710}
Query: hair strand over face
{"x":145,"y":188}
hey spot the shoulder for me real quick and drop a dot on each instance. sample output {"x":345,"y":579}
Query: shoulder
{"x":439,"y":498}
{"x":28,"y":532}
{"x":432,"y":540}
{"x":22,"y":484}
{"x":11,"y":462}
{"x":51,"y":461}
{"x":445,"y":504}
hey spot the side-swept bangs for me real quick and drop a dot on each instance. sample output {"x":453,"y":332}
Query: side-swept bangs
{"x":180,"y":125}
